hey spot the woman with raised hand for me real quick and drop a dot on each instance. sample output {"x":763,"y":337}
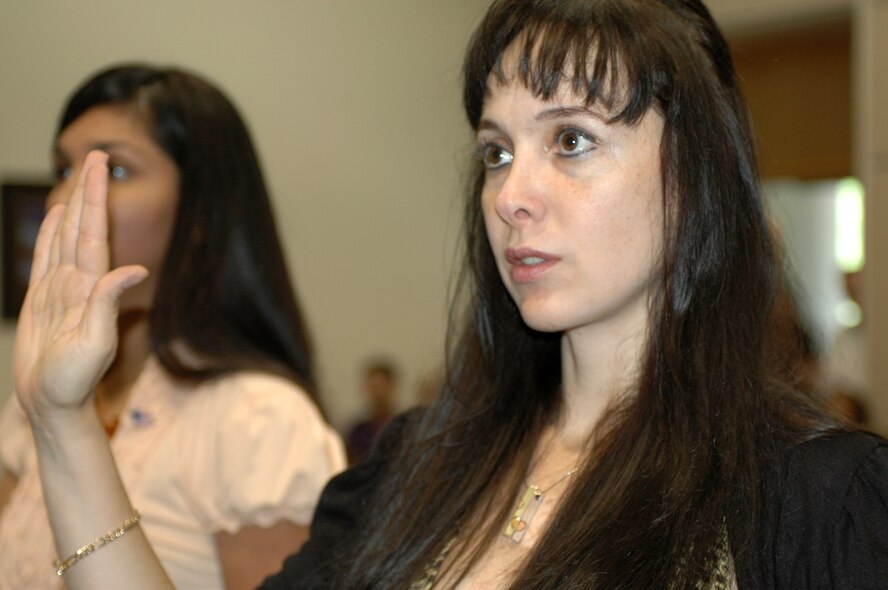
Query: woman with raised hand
{"x":190,"y":359}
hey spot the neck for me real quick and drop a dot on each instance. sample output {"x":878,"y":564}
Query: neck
{"x":554,"y":456}
{"x":383,"y":411}
{"x":598,"y":367}
{"x":134,"y":348}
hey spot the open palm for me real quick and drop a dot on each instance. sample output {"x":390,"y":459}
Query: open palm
{"x":67,"y":331}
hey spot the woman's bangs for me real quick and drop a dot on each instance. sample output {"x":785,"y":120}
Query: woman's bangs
{"x":595,"y":63}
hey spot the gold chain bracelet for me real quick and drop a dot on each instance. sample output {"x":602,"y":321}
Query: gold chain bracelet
{"x":129,"y":523}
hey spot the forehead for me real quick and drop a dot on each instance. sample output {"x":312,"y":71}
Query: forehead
{"x":512,"y":94}
{"x":107,"y":122}
{"x":570,"y":78}
{"x":513,"y":91}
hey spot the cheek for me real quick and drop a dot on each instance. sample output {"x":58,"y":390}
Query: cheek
{"x":652,"y":215}
{"x":140,"y":230}
{"x":622,"y":224}
{"x":57,"y":195}
{"x":605,"y":217}
{"x":646,"y":228}
{"x":496,"y":230}
{"x":492,"y":222}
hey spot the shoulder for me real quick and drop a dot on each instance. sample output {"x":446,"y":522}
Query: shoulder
{"x":222,"y":393}
{"x":826,"y":479}
{"x":252,"y":395}
{"x":260,"y":409}
{"x":254,"y":386}
{"x":241,"y":407}
{"x":256,"y":451}
{"x":834,"y":461}
{"x":347,"y":494}
{"x":827,"y":512}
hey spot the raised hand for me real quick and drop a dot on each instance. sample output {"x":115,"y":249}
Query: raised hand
{"x":67,"y":330}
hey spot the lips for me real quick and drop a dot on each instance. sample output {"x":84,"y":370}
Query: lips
{"x":526,"y":264}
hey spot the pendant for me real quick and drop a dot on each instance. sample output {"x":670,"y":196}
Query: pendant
{"x":527,"y":507}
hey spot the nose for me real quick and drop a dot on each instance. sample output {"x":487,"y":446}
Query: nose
{"x":520,"y":199}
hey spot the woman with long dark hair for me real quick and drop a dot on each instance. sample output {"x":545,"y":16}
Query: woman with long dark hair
{"x":619,"y":410}
{"x":615,"y":413}
{"x":209,"y":401}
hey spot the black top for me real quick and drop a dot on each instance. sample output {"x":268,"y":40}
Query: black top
{"x":824,"y":515}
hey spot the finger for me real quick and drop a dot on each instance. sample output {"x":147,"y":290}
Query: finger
{"x":55,"y":244}
{"x":92,"y":241}
{"x":43,"y":245}
{"x":70,"y":229}
{"x":100,"y":317}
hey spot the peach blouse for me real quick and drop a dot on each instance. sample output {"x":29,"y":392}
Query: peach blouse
{"x":244,"y":449}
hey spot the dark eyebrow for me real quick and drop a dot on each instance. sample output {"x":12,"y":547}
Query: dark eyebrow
{"x":487,"y":124}
{"x":105,"y":146}
{"x":549,"y":114}
{"x":110,"y":145}
{"x":558,"y":112}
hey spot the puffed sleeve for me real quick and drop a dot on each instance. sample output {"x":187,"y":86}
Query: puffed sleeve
{"x":15,"y":437}
{"x":337,"y":522}
{"x":270,"y":456}
{"x":858,"y":556}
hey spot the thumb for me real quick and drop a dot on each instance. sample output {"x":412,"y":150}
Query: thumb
{"x":100,"y":318}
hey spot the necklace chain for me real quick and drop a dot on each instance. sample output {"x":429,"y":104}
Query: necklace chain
{"x":567,"y":474}
{"x":528,"y":506}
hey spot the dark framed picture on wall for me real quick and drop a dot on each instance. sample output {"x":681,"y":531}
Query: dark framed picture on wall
{"x":22,"y":210}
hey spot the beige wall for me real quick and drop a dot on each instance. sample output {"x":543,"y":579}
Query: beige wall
{"x":355,"y":109}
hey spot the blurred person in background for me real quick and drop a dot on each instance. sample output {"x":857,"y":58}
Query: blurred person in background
{"x":847,"y":379}
{"x":380,"y":383}
{"x":209,"y":402}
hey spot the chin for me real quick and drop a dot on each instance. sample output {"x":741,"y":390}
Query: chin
{"x":136,"y":300}
{"x":542,"y":321}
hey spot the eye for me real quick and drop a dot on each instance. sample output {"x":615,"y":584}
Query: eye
{"x":493,"y":156}
{"x":62,"y":172}
{"x":574,"y":142}
{"x":117,"y":172}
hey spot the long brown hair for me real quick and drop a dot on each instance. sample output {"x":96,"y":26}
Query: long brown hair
{"x":680,"y":460}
